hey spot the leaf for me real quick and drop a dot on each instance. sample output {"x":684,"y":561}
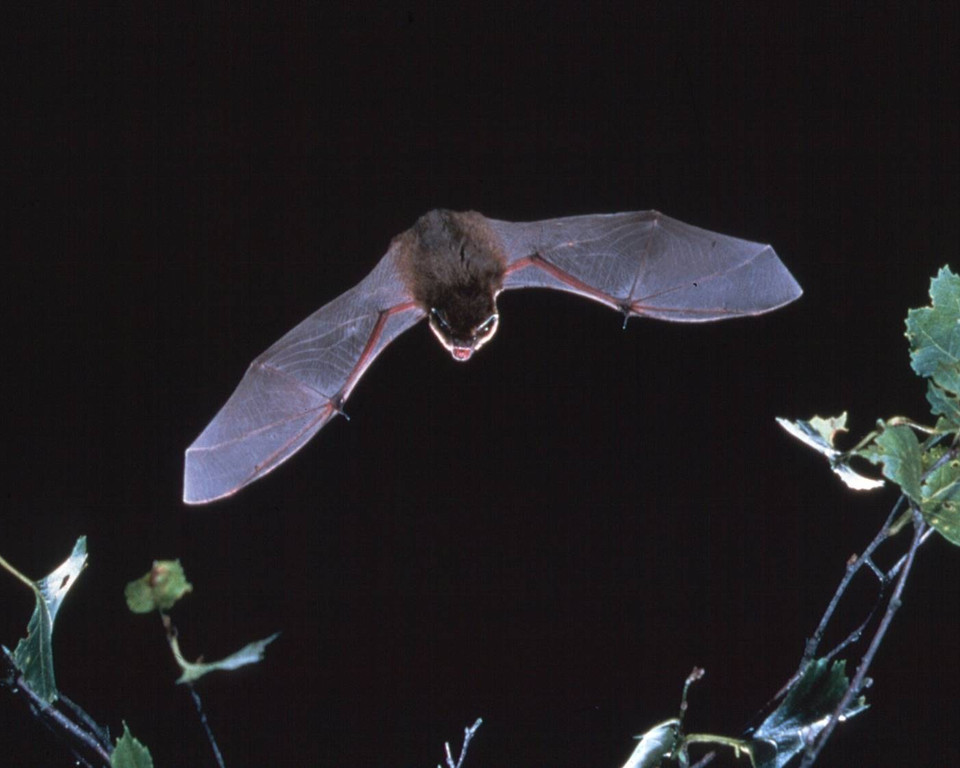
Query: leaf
{"x":819,"y":434}
{"x":805,"y":711}
{"x":934,"y":333}
{"x":898,"y":449}
{"x":130,"y":753}
{"x":159,"y":589}
{"x":655,"y":745}
{"x":249,"y":654}
{"x":34,"y":653}
{"x":937,"y":495}
{"x":946,"y":404}
{"x":941,"y":500}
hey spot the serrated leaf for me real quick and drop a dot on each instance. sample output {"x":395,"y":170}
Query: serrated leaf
{"x":34,"y":653}
{"x":805,"y":711}
{"x":159,"y":589}
{"x":934,"y":333}
{"x":945,"y":404}
{"x":819,"y":433}
{"x":655,"y":745}
{"x":130,"y":753}
{"x":941,"y":500}
{"x":898,"y":450}
{"x":249,"y":654}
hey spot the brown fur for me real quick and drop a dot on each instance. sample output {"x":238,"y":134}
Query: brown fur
{"x":453,"y":262}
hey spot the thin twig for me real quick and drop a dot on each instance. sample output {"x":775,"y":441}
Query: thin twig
{"x":899,"y":571}
{"x":857,"y":633}
{"x":171,"y":630}
{"x":206,"y":725}
{"x":89,"y":739}
{"x":814,"y":642}
{"x":467,"y":736}
{"x":853,"y":567}
{"x":919,"y":529}
{"x":895,"y":569}
{"x":102,"y":734}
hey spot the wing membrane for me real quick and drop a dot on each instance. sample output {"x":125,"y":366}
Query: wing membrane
{"x":647,"y":264}
{"x":296,"y":386}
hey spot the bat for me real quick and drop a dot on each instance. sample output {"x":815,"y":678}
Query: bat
{"x":449,"y":268}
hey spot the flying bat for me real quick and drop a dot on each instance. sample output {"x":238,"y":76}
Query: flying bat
{"x":449,"y":268}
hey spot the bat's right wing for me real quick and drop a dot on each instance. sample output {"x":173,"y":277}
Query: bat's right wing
{"x":298,"y":384}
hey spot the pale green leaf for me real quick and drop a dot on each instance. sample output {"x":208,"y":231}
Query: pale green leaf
{"x":655,"y":745}
{"x":934,"y":333}
{"x":249,"y":654}
{"x":819,"y":433}
{"x":34,"y":653}
{"x":130,"y":753}
{"x":159,"y":589}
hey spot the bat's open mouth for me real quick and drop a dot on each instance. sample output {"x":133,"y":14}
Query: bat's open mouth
{"x":461,"y":353}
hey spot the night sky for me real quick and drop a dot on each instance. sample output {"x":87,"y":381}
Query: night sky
{"x":549,"y":537}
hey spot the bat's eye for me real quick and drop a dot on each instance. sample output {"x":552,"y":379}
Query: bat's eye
{"x":438,"y":317}
{"x":487,"y":327}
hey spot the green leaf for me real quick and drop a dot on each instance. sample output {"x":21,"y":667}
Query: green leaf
{"x":34,"y":653}
{"x":934,"y":333}
{"x":945,"y":404}
{"x":805,"y":711}
{"x":655,"y":745}
{"x":159,"y":589}
{"x":941,"y":500}
{"x":898,"y":449}
{"x":937,"y":495}
{"x":249,"y":654}
{"x":130,"y":753}
{"x":819,"y":433}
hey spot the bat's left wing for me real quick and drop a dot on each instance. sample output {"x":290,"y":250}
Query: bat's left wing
{"x":645,"y":263}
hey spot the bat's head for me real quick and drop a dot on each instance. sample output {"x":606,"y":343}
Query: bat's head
{"x":461,"y":330}
{"x":455,"y":269}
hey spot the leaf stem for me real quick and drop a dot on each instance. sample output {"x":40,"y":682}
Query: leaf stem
{"x":171,"y":632}
{"x":14,"y":572}
{"x":206,"y":726}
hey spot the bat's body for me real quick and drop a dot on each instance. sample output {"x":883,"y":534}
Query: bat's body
{"x":450,"y":267}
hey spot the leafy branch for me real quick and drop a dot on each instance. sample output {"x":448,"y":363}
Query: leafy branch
{"x":923,"y":462}
{"x":920,"y":460}
{"x":28,"y":671}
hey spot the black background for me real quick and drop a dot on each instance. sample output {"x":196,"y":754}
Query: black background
{"x":549,"y":537}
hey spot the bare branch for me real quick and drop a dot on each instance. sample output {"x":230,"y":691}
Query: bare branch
{"x":467,"y":736}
